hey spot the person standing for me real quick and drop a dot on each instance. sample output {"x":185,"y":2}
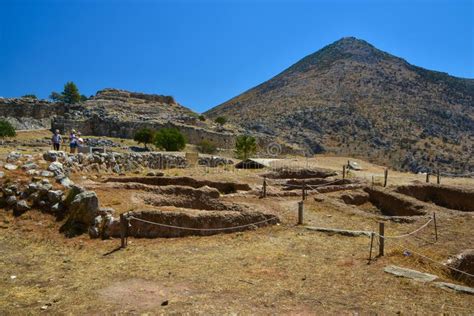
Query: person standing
{"x":73,"y":142}
{"x":56,"y":140}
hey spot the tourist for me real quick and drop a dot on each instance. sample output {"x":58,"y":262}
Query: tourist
{"x":73,"y":142}
{"x":56,"y":140}
{"x":80,"y":140}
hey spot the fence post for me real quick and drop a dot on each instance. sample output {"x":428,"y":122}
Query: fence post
{"x":264,"y":189}
{"x":303,"y":195}
{"x":371,"y":244}
{"x":123,"y":227}
{"x":373,"y":181}
{"x":437,"y":177}
{"x":435,"y":226}
{"x":427,"y":176}
{"x":381,"y":238}
{"x":385,"y":177}
{"x":300,"y":212}
{"x":343,"y":171}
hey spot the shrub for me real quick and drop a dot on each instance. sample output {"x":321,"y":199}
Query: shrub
{"x":144,"y":136}
{"x":221,"y":120}
{"x":207,"y":147}
{"x":30,"y":96}
{"x":202,"y":118}
{"x":245,"y":146}
{"x":170,"y":139}
{"x":6,"y":129}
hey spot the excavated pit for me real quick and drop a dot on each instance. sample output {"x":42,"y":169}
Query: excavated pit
{"x":199,"y":209}
{"x":299,"y":173}
{"x":456,"y":198}
{"x":201,"y":223}
{"x":223,"y":187}
{"x":384,"y":202}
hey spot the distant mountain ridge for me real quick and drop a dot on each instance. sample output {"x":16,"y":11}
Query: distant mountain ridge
{"x":351,"y":98}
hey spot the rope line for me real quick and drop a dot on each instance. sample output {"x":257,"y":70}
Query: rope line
{"x":201,"y":229}
{"x":428,"y":258}
{"x":412,"y":233}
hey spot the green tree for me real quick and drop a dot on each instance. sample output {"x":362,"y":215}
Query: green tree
{"x":202,"y":118}
{"x":69,"y":95}
{"x":170,"y":139}
{"x":207,"y":147}
{"x":56,"y":96}
{"x":30,"y":96}
{"x":6,"y":130}
{"x":245,"y":146}
{"x":144,"y":136}
{"x":221,"y":120}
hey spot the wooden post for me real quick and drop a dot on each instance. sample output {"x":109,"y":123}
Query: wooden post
{"x":264,"y":189}
{"x":123,"y":227}
{"x":300,"y":212}
{"x":427,"y":177}
{"x":385,"y":177}
{"x":344,"y":171}
{"x":371,"y":244}
{"x":303,"y":195}
{"x":435,"y":227}
{"x":437,"y":177}
{"x":381,"y":238}
{"x":373,"y":181}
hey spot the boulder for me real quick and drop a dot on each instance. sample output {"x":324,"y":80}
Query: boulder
{"x":29,"y":166}
{"x":53,"y":155}
{"x":54,"y":196}
{"x":10,"y":200}
{"x":21,"y":207}
{"x":2,"y":174}
{"x":82,"y":212}
{"x":46,"y":173}
{"x":13,"y":156}
{"x":10,"y":166}
{"x":56,"y":167}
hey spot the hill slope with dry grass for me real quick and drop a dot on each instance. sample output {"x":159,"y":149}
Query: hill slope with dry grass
{"x":350,"y":98}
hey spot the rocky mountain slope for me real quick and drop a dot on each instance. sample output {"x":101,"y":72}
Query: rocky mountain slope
{"x":351,"y":98}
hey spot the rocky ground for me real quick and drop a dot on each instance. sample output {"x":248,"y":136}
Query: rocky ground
{"x":56,"y":206}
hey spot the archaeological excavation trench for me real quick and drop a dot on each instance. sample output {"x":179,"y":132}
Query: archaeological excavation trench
{"x":181,"y":206}
{"x":455,"y":198}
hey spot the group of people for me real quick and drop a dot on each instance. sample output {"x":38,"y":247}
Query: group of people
{"x":75,"y":140}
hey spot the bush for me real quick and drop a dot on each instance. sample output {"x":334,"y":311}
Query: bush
{"x":170,"y":139}
{"x":6,"y":129}
{"x":245,"y":146}
{"x":30,"y":96}
{"x":144,"y":136}
{"x":202,"y":118}
{"x":207,"y":147}
{"x":220,"y":120}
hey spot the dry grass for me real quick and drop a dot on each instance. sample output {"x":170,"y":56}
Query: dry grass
{"x":274,"y":270}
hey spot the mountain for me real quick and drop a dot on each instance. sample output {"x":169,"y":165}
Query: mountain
{"x":350,"y":98}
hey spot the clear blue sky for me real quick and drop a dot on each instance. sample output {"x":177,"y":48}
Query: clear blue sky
{"x":205,"y":52}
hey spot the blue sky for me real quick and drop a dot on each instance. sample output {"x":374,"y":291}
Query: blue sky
{"x":206,"y":52}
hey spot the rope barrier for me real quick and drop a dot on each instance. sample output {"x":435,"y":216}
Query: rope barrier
{"x":412,"y":233}
{"x":201,"y":229}
{"x":428,"y":258}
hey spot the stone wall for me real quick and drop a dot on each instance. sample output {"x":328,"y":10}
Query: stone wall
{"x":28,"y":113}
{"x":99,"y":127}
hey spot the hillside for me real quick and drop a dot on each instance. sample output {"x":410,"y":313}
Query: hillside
{"x":350,"y":98}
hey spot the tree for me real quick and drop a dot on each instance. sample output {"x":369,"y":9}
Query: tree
{"x":6,"y":129}
{"x":245,"y":146}
{"x":30,"y":96}
{"x":69,"y":95}
{"x":170,"y":139}
{"x":144,"y":136}
{"x":56,"y":96}
{"x":207,"y":147}
{"x":202,"y":118}
{"x":221,"y":120}
{"x":83,"y":98}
